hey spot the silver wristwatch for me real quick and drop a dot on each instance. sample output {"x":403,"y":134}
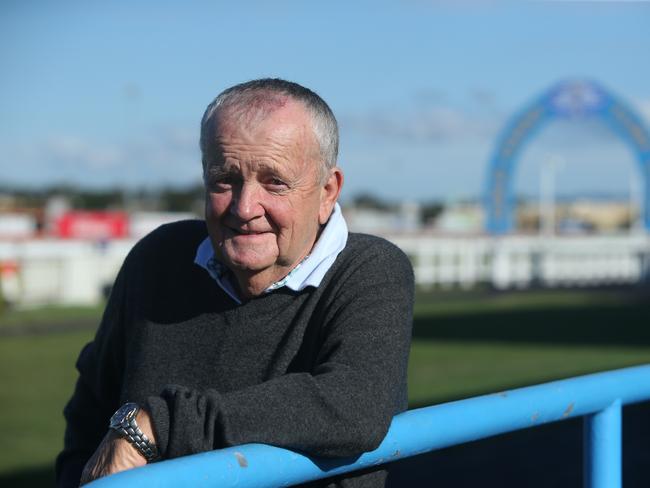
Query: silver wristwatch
{"x":123,"y":422}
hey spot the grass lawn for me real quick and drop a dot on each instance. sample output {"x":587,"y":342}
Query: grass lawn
{"x":50,"y":316}
{"x":452,"y":370}
{"x":37,"y":374}
{"x":462,"y":346}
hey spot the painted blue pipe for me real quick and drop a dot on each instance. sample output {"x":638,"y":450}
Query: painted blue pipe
{"x":602,"y":448}
{"x":598,"y":396}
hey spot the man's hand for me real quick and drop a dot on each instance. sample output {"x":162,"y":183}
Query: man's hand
{"x":116,"y":454}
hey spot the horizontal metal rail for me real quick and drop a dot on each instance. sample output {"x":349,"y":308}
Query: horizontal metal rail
{"x":598,"y":397}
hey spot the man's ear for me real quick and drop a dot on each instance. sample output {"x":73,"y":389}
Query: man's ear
{"x":329,"y":194}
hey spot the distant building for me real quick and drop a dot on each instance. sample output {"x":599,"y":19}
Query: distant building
{"x":580,"y":216}
{"x":403,"y":218}
{"x":141,"y":223}
{"x":460,"y":218}
{"x":17,"y":225}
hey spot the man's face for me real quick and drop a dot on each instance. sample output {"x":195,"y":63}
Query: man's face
{"x":265,"y":200}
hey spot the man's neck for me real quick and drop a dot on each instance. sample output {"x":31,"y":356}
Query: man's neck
{"x":252,"y":284}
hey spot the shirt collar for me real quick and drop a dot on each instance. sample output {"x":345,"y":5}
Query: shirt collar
{"x":309,"y":272}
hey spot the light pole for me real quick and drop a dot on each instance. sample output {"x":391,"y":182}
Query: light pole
{"x":636,"y":203}
{"x":550,"y":166}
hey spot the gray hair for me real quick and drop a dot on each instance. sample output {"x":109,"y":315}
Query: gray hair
{"x":262,"y":95}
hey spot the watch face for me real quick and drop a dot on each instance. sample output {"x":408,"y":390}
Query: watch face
{"x":125,"y":412}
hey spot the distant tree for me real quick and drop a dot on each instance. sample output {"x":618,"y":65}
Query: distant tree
{"x":170,"y":199}
{"x":99,"y":199}
{"x":181,"y":199}
{"x":366,"y":200}
{"x":430,"y":211}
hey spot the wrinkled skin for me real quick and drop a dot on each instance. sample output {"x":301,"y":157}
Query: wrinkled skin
{"x":116,"y":454}
{"x":266,"y":199}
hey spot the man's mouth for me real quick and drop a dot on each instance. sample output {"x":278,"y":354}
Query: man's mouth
{"x":247,"y":232}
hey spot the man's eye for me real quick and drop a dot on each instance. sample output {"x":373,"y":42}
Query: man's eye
{"x":276,"y":183}
{"x":220,"y":183}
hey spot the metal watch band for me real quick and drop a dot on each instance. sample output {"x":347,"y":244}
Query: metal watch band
{"x":140,"y":441}
{"x":124,"y":423}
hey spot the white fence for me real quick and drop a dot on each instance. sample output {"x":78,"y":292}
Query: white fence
{"x":36,"y":272}
{"x":524,"y":261}
{"x":66,"y":272}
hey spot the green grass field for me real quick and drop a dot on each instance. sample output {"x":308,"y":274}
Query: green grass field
{"x":462,"y":346}
{"x":468,"y":346}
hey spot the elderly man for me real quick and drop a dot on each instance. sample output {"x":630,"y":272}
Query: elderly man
{"x":266,"y":323}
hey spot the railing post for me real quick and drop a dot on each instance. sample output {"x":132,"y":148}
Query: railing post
{"x":602,"y":448}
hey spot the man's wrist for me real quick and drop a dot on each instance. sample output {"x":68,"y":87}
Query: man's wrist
{"x":134,"y":425}
{"x":127,"y":450}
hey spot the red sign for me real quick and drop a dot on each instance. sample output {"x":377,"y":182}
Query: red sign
{"x":8,"y":268}
{"x":92,"y":225}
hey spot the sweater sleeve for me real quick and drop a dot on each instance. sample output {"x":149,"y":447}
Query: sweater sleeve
{"x":96,"y":394}
{"x":342,"y":407}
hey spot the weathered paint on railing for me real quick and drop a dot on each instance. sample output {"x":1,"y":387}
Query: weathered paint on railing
{"x":598,"y":397}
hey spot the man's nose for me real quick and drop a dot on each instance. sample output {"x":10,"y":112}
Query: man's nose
{"x":246,"y":203}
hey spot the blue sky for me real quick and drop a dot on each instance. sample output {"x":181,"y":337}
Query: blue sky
{"x":106,"y":93}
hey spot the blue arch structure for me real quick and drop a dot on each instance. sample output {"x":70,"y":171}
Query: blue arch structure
{"x":565,"y":100}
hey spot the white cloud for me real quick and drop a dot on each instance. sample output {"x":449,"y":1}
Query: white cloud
{"x":435,"y":123}
{"x":167,"y":155}
{"x":430,"y":115}
{"x":78,"y":151}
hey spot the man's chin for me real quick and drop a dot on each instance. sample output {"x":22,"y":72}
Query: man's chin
{"x":247,"y":267}
{"x":249,"y":264}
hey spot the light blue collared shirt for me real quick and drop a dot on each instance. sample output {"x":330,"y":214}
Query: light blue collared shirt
{"x":309,"y":272}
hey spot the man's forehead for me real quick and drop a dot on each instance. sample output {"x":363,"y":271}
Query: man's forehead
{"x":289,"y":122}
{"x":252,"y":108}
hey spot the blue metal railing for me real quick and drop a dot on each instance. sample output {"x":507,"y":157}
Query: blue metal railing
{"x":598,"y":397}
